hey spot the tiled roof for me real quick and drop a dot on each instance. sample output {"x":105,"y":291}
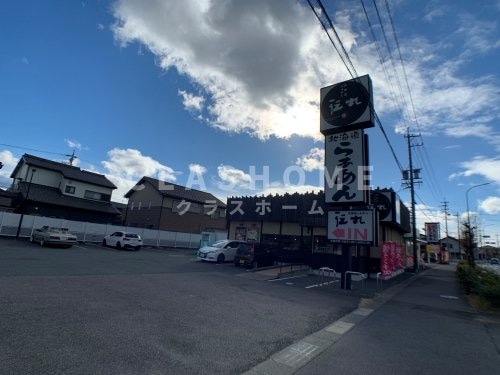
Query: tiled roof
{"x":53,"y":196}
{"x":68,"y":171}
{"x":169,"y":189}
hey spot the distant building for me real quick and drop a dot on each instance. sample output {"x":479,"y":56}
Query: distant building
{"x":156,"y":204}
{"x":53,"y":189}
{"x":453,"y":248}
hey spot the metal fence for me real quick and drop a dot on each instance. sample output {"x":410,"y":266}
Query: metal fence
{"x":92,"y":232}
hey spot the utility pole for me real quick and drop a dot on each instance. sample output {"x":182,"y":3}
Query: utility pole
{"x":459,"y":256}
{"x":446,"y":213}
{"x":413,"y":175}
{"x":72,"y":158}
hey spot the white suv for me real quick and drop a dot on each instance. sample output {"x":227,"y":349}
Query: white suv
{"x":123,"y":240}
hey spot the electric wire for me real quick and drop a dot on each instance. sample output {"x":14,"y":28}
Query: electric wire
{"x":33,"y":149}
{"x":405,"y":116}
{"x":433,"y":181}
{"x":327,"y":24}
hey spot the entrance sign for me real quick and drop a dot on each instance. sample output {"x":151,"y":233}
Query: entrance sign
{"x":346,"y":106}
{"x":351,"y":227}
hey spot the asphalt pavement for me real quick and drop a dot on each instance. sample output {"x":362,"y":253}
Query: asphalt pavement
{"x":424,"y":325}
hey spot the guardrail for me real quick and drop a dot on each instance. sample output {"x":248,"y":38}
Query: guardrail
{"x":381,"y":277}
{"x":346,"y":273}
{"x":323,"y":271}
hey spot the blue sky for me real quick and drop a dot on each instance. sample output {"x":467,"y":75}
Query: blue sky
{"x":198,"y":88}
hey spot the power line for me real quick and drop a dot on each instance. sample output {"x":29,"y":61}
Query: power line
{"x":34,"y":149}
{"x":327,"y":24}
{"x":434,"y":184}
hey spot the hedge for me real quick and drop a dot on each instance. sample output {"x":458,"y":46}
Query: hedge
{"x":480,"y":281}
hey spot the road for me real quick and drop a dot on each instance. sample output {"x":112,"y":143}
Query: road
{"x":422,"y":325}
{"x":95,"y":310}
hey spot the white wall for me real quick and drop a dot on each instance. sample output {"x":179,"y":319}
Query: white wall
{"x":80,"y":188}
{"x":92,"y":232}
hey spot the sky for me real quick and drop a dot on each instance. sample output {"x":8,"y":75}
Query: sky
{"x":224,"y":95}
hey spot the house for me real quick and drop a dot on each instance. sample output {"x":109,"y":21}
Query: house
{"x":453,"y":247}
{"x":156,"y":204}
{"x":53,"y":189}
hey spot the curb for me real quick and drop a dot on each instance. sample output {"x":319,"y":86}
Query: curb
{"x":297,"y":355}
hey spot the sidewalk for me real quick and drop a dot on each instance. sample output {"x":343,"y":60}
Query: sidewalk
{"x":422,"y":325}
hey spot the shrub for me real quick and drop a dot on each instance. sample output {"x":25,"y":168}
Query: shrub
{"x":481,"y":282}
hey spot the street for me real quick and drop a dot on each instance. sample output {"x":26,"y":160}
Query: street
{"x":96,"y":310}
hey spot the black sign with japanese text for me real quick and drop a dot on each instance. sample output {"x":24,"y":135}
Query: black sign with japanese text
{"x":346,"y":106}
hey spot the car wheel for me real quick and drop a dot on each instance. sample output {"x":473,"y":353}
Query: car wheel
{"x":104,"y":243}
{"x":137,"y":248}
{"x":118,"y":245}
{"x":221,"y":258}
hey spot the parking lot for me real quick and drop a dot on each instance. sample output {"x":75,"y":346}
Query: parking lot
{"x":90,"y":309}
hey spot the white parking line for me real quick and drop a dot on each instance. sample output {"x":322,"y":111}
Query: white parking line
{"x":286,"y":278}
{"x":316,"y":285}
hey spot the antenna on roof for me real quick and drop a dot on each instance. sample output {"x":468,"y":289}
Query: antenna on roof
{"x":72,"y":158}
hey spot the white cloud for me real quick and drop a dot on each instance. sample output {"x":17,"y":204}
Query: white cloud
{"x":315,"y":159}
{"x":491,"y":205}
{"x":197,"y":168}
{"x":196,"y":179}
{"x":73,"y":144}
{"x":481,"y":166}
{"x":259,"y":64}
{"x":232,"y":179}
{"x":125,"y":167}
{"x":9,"y":162}
{"x":191,"y":102}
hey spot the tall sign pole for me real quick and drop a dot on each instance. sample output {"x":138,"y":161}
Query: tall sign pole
{"x":346,"y":109}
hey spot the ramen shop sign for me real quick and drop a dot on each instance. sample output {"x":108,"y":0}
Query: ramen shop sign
{"x":346,"y":106}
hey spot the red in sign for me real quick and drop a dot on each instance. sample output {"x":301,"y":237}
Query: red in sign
{"x":351,"y":233}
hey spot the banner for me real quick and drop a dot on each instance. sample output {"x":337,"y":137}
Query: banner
{"x":391,"y":258}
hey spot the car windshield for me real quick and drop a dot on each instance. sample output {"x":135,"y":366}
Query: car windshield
{"x":131,"y":235}
{"x":219,"y":244}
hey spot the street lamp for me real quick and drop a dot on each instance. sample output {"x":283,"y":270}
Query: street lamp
{"x":471,"y":252}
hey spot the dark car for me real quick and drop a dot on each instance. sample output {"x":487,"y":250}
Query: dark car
{"x":255,"y":255}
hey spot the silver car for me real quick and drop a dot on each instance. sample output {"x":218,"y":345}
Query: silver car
{"x":53,"y":236}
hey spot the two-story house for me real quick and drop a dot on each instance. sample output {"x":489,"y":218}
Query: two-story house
{"x":53,"y":189}
{"x":156,"y":204}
